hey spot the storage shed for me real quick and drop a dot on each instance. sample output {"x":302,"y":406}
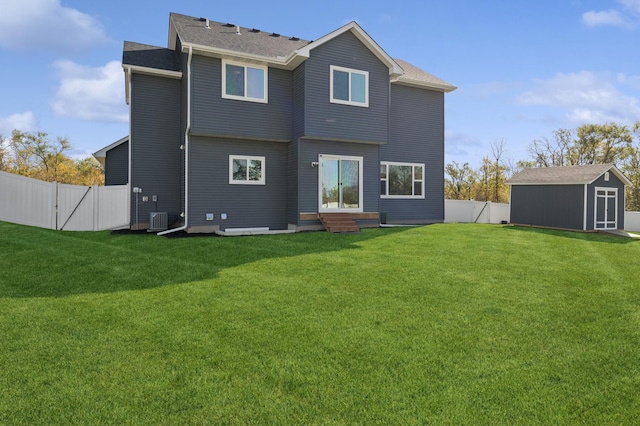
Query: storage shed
{"x":586,"y":198}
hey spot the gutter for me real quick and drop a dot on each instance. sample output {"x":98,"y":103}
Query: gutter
{"x":187,"y":130}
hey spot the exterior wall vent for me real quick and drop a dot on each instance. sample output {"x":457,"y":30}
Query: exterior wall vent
{"x":157,"y":221}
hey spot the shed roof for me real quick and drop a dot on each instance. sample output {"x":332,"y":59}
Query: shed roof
{"x":145,"y":55}
{"x":567,"y":175}
{"x":101,"y":154}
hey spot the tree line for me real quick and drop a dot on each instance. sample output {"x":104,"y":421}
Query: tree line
{"x":609,"y":143}
{"x":36,"y":155}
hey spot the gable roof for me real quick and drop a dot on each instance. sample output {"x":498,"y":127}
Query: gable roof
{"x":567,"y":175}
{"x":102,"y":154}
{"x":226,"y":40}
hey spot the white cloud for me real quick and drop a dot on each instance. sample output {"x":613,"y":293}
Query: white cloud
{"x":47,"y":25}
{"x":88,"y":93}
{"x":586,"y":96}
{"x":632,"y":5}
{"x":605,"y":17}
{"x":24,"y":121}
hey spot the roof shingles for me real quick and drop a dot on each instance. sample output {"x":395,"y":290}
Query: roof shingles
{"x":567,"y":175}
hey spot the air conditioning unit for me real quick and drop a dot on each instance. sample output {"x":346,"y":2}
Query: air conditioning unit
{"x":157,"y":221}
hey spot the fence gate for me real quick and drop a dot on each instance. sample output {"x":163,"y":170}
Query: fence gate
{"x":54,"y":205}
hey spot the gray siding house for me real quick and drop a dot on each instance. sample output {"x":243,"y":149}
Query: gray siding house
{"x":234,"y":129}
{"x":585,"y":198}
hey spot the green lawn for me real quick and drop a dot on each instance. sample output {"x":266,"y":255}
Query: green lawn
{"x":444,"y":324}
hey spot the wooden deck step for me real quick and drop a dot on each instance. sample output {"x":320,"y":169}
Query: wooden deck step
{"x":338,"y":222}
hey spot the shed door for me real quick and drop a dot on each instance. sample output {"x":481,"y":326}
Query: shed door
{"x":606,"y":206}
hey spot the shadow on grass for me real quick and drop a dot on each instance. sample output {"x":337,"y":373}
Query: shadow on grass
{"x":597,"y":237}
{"x":37,"y":262}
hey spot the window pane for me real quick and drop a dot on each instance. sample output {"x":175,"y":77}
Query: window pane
{"x":350,"y":184}
{"x":239,"y":169}
{"x":358,"y":87}
{"x":417,"y":172}
{"x":383,"y":171}
{"x":417,"y":188}
{"x":400,"y":180}
{"x":255,"y":170}
{"x":235,"y":80}
{"x":340,"y":85}
{"x":255,"y":83}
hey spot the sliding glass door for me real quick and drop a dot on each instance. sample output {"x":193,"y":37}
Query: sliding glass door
{"x":340,"y":183}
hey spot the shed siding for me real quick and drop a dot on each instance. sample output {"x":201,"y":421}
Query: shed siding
{"x":155,"y":151}
{"x":558,"y":206}
{"x":324,"y":119}
{"x":416,"y":136}
{"x":309,"y":151}
{"x":116,"y":165}
{"x":245,"y":205}
{"x":213,"y":115}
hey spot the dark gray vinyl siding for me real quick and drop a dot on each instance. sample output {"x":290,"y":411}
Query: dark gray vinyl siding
{"x":558,"y":206}
{"x":309,"y":151}
{"x":324,"y":119}
{"x":613,"y":182}
{"x":155,"y":145}
{"x":293,"y":212}
{"x":116,"y":165}
{"x":245,"y":205}
{"x":213,"y":115}
{"x":416,"y":136}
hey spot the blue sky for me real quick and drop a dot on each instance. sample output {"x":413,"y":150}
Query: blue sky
{"x":522,"y":68}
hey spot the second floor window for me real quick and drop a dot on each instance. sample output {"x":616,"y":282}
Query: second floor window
{"x":244,"y":82}
{"x":349,"y":87}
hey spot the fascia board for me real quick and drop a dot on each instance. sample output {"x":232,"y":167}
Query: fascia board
{"x":232,"y":54}
{"x":153,"y":71}
{"x":424,"y":85}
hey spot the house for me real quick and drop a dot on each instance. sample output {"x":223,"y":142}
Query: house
{"x":586,"y":198}
{"x":237,"y":129}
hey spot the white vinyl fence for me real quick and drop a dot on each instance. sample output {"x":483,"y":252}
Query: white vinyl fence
{"x":58,"y":206}
{"x":632,"y":221}
{"x":475,"y":211}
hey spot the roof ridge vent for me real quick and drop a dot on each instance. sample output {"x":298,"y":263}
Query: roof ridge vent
{"x":228,"y":25}
{"x":275,"y":35}
{"x":294,"y":38}
{"x":254,"y":30}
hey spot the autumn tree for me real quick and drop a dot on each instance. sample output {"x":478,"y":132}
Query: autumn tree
{"x":35,"y":155}
{"x":460,"y":180}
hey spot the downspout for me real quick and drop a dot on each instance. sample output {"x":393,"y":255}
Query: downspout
{"x":187,"y":130}
{"x":130,"y":149}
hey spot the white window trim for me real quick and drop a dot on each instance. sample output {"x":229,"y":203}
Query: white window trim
{"x":245,"y":97}
{"x":413,"y":181}
{"x":262,"y":181}
{"x":364,"y":104}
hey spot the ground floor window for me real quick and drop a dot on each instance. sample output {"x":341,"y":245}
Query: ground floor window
{"x":401,"y":180}
{"x":246,"y":170}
